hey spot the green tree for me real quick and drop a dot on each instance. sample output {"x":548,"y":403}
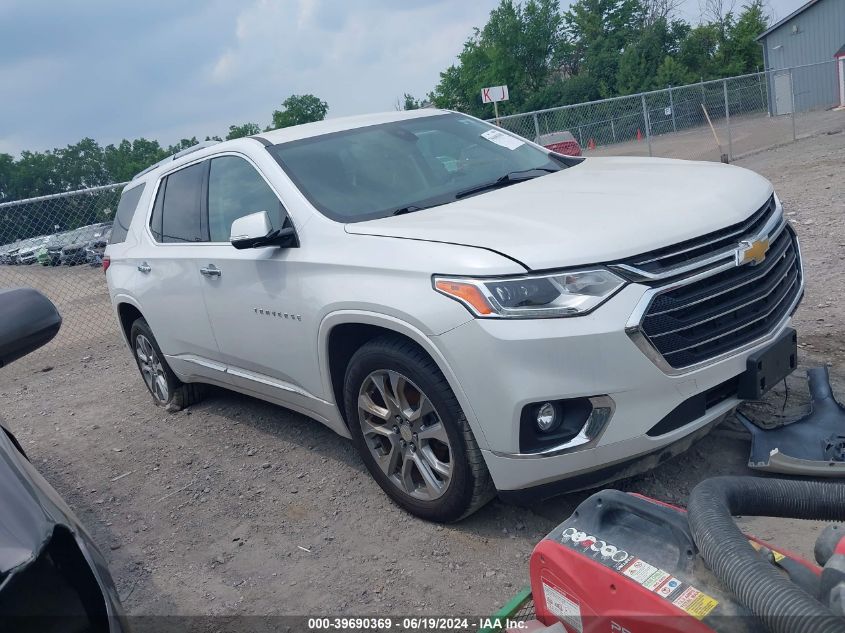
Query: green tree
{"x":577,"y":89}
{"x":409,"y":102}
{"x":520,"y":46}
{"x":245,"y":129}
{"x":299,"y":109}
{"x":7,"y":174}
{"x":183,"y":144}
{"x":35,"y":175}
{"x":644,"y":55}
{"x":672,"y":73}
{"x":80,"y":165}
{"x":738,"y":52}
{"x":127,"y":158}
{"x":697,"y":52}
{"x":598,"y":31}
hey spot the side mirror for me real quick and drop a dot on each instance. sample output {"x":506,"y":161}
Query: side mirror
{"x":28,"y":320}
{"x":256,"y":231}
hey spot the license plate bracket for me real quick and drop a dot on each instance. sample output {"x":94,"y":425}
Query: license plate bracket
{"x":768,"y":366}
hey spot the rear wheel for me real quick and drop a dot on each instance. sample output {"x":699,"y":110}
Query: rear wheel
{"x":165,"y":388}
{"x":411,"y":431}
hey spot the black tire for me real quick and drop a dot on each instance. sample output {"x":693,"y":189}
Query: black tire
{"x":179,"y":394}
{"x":470,"y":486}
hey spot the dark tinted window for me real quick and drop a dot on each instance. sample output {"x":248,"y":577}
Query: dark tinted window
{"x":125,"y":212}
{"x":374,"y":171}
{"x":181,"y":215}
{"x":235,"y":189}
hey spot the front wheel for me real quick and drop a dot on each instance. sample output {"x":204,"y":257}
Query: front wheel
{"x":411,"y":432}
{"x":165,"y":388}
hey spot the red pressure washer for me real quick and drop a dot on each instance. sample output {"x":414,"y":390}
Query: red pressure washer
{"x":625,"y":563}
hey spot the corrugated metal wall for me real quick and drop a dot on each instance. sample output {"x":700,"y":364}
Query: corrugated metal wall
{"x":812,"y":36}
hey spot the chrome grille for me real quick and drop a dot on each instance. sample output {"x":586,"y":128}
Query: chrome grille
{"x":693,"y":322}
{"x":702,"y":252}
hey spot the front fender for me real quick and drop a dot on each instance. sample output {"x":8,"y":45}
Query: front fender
{"x":399,"y":326}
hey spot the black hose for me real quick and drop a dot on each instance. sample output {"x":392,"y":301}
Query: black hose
{"x":783,"y":606}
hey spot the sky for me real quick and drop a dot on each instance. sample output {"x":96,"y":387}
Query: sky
{"x":171,"y":69}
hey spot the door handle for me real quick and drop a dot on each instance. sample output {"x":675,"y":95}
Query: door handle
{"x":211,"y":271}
{"x":144,"y":268}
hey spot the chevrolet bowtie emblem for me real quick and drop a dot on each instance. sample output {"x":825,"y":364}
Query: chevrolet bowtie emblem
{"x":751,"y":252}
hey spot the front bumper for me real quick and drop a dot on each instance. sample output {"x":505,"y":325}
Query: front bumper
{"x":504,"y":365}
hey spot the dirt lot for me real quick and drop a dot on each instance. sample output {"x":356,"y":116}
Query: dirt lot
{"x":239,"y":507}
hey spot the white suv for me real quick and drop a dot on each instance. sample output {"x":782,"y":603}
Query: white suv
{"x":477,"y":314}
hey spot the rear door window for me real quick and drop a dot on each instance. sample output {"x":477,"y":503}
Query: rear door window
{"x":178,"y":208}
{"x":125,"y":212}
{"x":236,"y":189}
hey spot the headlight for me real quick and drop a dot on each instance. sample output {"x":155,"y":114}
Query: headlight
{"x":533,"y":296}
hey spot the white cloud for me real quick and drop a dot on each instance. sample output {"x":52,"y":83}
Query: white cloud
{"x":167,"y":70}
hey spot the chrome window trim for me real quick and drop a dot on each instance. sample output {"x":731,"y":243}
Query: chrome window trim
{"x":634,"y":330}
{"x":147,"y":231}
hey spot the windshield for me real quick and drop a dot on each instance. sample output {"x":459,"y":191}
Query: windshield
{"x":405,"y":166}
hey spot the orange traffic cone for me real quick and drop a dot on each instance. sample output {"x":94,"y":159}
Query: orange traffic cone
{"x":591,"y":144}
{"x":639,"y":135}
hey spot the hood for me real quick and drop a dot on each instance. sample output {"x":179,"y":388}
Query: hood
{"x":601,"y":210}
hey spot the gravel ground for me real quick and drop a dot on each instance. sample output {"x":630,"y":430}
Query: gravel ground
{"x":239,"y":507}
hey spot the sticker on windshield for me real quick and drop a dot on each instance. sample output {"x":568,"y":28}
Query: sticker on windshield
{"x":500,"y":138}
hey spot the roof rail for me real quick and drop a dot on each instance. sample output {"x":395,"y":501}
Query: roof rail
{"x":184,"y":152}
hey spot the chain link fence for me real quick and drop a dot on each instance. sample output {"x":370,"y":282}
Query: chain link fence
{"x":55,"y":244}
{"x":716,"y":120}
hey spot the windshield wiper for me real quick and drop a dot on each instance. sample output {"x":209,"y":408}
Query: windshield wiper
{"x":409,"y":209}
{"x":509,"y":178}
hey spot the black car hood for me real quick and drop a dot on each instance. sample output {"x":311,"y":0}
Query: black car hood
{"x":29,"y":508}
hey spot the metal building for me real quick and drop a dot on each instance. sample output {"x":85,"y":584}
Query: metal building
{"x":812,"y":34}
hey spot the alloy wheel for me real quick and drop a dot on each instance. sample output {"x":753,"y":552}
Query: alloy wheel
{"x":405,"y":435}
{"x":151,"y":369}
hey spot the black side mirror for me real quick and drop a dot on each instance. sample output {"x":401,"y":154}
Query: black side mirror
{"x":28,"y":320}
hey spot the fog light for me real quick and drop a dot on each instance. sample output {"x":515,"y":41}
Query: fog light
{"x":547,"y":417}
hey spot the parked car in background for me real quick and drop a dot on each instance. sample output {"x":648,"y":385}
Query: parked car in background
{"x":8,"y":253}
{"x":49,"y":253}
{"x":478,"y":314}
{"x":73,"y":252}
{"x":96,"y":247}
{"x":561,"y":142}
{"x":52,"y":576}
{"x":27,"y":252}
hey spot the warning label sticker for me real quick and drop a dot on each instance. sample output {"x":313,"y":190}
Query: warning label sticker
{"x":640,"y":571}
{"x":681,"y":594}
{"x":566,"y":610}
{"x":777,"y":556}
{"x":668,"y":587}
{"x":695,"y":603}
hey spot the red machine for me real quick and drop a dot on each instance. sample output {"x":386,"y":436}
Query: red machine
{"x":625,"y":563}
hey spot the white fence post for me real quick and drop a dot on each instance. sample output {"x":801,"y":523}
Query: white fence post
{"x":647,"y":124}
{"x":728,"y":120}
{"x":792,"y":97}
{"x":672,"y":110}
